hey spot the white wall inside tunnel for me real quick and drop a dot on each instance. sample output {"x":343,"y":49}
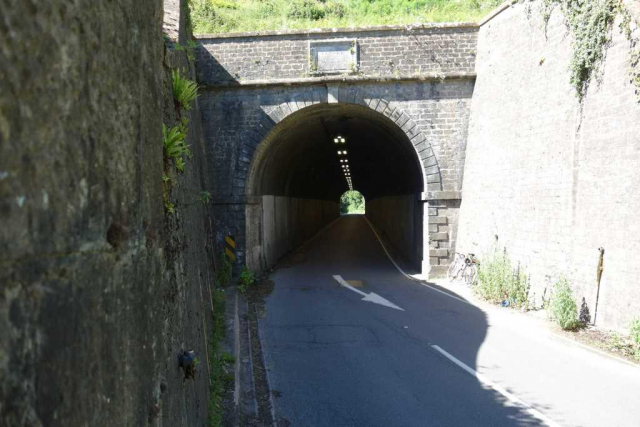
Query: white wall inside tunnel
{"x":400,"y":220}
{"x":278,"y":225}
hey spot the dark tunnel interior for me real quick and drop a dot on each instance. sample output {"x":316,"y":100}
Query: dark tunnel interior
{"x":301,"y":170}
{"x":303,"y":161}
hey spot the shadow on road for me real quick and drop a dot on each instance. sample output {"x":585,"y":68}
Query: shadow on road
{"x":333,"y":359}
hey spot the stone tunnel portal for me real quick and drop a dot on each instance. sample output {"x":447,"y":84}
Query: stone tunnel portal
{"x":309,"y":159}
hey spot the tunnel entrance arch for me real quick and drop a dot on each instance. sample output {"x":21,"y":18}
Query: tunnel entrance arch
{"x":297,"y":175}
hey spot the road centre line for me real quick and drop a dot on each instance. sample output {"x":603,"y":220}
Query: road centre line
{"x":539,"y":415}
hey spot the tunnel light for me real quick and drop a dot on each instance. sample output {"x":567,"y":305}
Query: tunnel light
{"x":341,"y":160}
{"x":336,"y":140}
{"x":346,"y":160}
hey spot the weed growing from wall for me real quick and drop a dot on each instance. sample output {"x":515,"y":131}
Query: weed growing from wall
{"x":634,"y":42}
{"x":185,"y":90}
{"x":189,"y":49}
{"x":174,"y":145}
{"x":590,"y":22}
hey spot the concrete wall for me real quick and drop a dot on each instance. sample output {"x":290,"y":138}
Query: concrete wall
{"x":99,"y":289}
{"x":384,"y":51}
{"x":549,"y":179}
{"x":282,"y":224}
{"x":399,"y":218}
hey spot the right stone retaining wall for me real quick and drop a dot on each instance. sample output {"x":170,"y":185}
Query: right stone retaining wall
{"x":547,"y":178}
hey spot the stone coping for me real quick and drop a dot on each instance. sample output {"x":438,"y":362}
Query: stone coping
{"x":329,"y":31}
{"x":442,"y":195}
{"x":343,"y":79}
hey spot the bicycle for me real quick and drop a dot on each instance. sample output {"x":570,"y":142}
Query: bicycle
{"x":465,"y":267}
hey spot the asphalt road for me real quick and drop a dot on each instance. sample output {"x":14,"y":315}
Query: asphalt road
{"x":334,"y":359}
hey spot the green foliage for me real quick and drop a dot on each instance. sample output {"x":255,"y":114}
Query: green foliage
{"x":216,"y":16}
{"x":563,"y":307}
{"x":189,"y":49}
{"x":205,"y":197}
{"x":352,"y":202}
{"x":184,"y":89}
{"x":174,"y":145}
{"x":246,"y":280}
{"x":590,"y":22}
{"x":635,"y":337}
{"x":223,"y":275}
{"x":498,"y":281}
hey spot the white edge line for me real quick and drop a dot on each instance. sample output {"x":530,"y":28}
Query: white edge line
{"x":413,"y":279}
{"x":592,"y":349}
{"x":553,"y":334}
{"x":539,"y":415}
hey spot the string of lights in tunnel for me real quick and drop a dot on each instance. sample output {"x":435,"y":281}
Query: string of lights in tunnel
{"x":344,"y":159}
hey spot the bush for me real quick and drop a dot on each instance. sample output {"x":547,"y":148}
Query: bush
{"x":498,"y":281}
{"x":246,"y":280}
{"x":563,"y":308}
{"x":306,"y":10}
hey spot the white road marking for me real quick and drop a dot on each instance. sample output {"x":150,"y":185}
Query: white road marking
{"x":539,"y":415}
{"x":372,"y":297}
{"x":413,"y":279}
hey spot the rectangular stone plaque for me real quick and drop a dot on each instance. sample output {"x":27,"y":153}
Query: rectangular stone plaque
{"x":333,"y":56}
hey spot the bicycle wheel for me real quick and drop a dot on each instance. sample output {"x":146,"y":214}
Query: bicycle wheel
{"x":454,"y":269}
{"x":470,"y":274}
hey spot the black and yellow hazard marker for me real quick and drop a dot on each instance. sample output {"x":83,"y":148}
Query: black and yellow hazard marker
{"x":230,"y":248}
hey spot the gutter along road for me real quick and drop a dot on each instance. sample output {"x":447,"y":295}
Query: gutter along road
{"x":348,"y":340}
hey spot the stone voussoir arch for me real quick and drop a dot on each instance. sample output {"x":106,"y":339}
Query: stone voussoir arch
{"x":253,"y":149}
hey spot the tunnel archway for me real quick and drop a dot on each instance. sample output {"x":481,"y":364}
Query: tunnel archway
{"x":297,"y":177}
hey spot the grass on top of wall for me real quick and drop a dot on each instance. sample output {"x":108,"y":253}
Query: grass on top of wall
{"x":220,"y":16}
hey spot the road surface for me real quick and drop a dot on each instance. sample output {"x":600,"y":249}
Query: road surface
{"x":338,"y":356}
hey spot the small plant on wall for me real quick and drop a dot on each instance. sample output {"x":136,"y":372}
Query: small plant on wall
{"x":591,"y":23}
{"x":173,"y":141}
{"x":185,"y":90}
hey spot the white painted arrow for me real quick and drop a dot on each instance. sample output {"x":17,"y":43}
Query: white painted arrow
{"x":372,"y":297}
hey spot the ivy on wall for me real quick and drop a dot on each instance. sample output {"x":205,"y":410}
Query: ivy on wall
{"x":591,"y":22}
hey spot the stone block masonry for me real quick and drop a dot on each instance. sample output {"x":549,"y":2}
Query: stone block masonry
{"x":383,"y":52}
{"x":99,"y":289}
{"x":438,"y":112}
{"x":549,"y":179}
